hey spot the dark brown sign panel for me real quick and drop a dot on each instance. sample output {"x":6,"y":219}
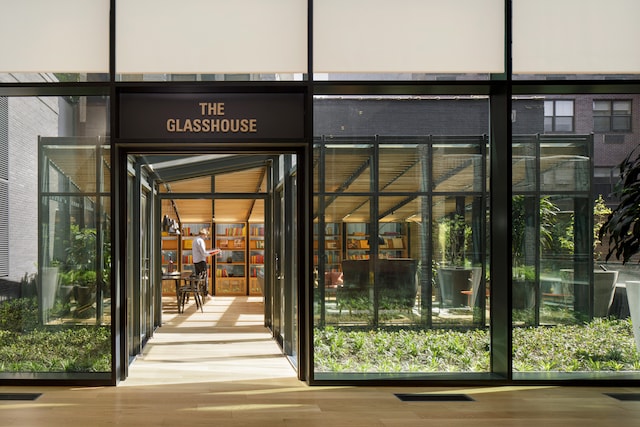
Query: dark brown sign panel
{"x":212,"y":116}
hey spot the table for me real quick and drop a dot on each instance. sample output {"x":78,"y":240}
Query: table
{"x":178,"y":276}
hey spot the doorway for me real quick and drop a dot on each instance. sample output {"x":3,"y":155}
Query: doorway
{"x":247,"y":203}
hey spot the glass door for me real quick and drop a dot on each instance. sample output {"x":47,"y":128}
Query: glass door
{"x":285,"y":258}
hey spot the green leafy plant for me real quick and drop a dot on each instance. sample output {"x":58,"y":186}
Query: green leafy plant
{"x":598,"y":345}
{"x":457,"y":238}
{"x":27,"y":346}
{"x":623,"y":224}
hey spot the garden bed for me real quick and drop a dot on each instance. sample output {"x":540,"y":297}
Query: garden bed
{"x":600,"y":345}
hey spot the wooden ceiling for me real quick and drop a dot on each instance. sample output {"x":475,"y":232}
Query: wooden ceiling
{"x":203,"y":210}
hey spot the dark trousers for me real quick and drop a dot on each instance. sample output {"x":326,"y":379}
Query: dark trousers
{"x":200,"y":266}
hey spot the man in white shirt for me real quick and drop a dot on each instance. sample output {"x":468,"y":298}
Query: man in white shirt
{"x":200,"y":252}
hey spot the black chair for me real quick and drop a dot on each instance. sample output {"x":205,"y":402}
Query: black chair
{"x":196,"y":285}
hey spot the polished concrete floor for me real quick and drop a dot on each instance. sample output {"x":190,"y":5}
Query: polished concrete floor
{"x":221,"y":368}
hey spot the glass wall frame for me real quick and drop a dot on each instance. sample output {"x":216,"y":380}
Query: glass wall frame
{"x":375,"y":265}
{"x":59,"y":182}
{"x":503,"y":122}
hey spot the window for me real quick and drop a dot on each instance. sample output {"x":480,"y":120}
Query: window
{"x":612,"y":116}
{"x":558,"y":116}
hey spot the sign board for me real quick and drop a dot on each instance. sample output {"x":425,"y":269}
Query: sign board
{"x":212,"y":116}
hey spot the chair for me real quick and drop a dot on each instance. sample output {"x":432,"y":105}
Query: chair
{"x":196,"y":285}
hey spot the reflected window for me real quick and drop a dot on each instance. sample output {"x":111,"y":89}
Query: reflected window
{"x":611,"y":116}
{"x":558,"y":116}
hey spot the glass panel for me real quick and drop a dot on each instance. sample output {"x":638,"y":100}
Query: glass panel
{"x":399,"y":259}
{"x":238,"y":35}
{"x":55,"y":311}
{"x":403,"y":168}
{"x":601,"y":124}
{"x":565,"y":165}
{"x":458,"y":166}
{"x":375,"y":37}
{"x":81,"y":49}
{"x":601,"y":108}
{"x":347,"y":168}
{"x":564,"y":108}
{"x":564,"y":124}
{"x":581,"y":39}
{"x":622,"y":107}
{"x":193,"y":185}
{"x":569,"y":303}
{"x":621,"y":123}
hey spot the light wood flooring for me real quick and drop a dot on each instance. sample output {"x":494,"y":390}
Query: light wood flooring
{"x":221,"y":368}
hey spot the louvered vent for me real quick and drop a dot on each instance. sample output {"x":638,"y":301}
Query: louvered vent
{"x":4,"y":187}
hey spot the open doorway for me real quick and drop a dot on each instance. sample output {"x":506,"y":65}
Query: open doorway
{"x":247,"y":203}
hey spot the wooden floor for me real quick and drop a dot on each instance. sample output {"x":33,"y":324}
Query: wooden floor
{"x":221,"y":368}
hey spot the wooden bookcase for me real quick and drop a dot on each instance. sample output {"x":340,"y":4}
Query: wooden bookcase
{"x":231,"y":262}
{"x":256,"y":258}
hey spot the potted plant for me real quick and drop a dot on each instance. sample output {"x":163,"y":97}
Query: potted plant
{"x":453,"y":275}
{"x":80,"y":272}
{"x":622,"y":228}
{"x":524,"y":280}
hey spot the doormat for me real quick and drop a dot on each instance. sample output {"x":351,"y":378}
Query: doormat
{"x":19,"y":396}
{"x":418,"y":397}
{"x":630,"y":397}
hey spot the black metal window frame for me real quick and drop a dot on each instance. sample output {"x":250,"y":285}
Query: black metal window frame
{"x":607,"y":122}
{"x":554,"y":118}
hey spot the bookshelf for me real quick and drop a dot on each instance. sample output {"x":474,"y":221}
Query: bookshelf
{"x":189,"y":233}
{"x":332,"y":244}
{"x":395,"y":240}
{"x":231,"y":262}
{"x":256,"y":257}
{"x":357,"y":235}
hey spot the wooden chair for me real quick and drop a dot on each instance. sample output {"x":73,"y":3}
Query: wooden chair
{"x":196,"y":285}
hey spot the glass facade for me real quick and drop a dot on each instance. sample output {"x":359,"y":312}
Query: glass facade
{"x":459,"y":169}
{"x":400,"y":241}
{"x":56,"y":287}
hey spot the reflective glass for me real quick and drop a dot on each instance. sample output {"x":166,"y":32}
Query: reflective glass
{"x":55,"y":311}
{"x":408,"y":39}
{"x":569,"y":304}
{"x":575,"y":39}
{"x":194,"y":40}
{"x":400,"y":237}
{"x":54,"y":41}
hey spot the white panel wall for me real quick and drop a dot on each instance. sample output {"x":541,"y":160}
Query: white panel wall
{"x":211,"y":36}
{"x":54,"y":36}
{"x":432,"y":36}
{"x":576,"y":36}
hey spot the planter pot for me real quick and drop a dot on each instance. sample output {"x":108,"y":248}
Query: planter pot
{"x":452,"y":282}
{"x":633,"y":296}
{"x":48,"y":289}
{"x":84,"y":295}
{"x":65,"y":293}
{"x":604,"y":287}
{"x":523,"y":294}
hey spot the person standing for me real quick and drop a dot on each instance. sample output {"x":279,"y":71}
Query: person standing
{"x":200,"y":252}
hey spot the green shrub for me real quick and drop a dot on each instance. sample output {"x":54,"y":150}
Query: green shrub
{"x":18,"y":315}
{"x":600,"y":345}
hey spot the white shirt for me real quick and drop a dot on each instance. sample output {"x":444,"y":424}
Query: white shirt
{"x":199,"y":250}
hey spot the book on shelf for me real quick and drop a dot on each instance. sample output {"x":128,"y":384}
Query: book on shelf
{"x":257,"y":231}
{"x":256,"y":259}
{"x":233,"y":231}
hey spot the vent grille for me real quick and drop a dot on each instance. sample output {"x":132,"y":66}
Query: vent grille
{"x":419,"y":397}
{"x":629,"y":397}
{"x":19,"y":396}
{"x":4,"y":138}
{"x":614,"y":138}
{"x":4,"y":187}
